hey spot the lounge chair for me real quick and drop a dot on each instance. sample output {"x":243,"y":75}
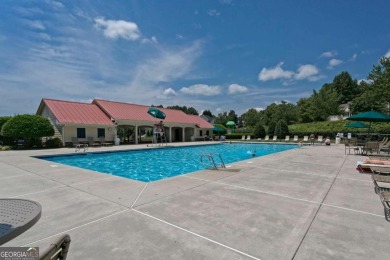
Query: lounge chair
{"x":295,"y":138}
{"x":377,"y":168}
{"x":274,"y":138}
{"x":385,"y":199}
{"x":243,"y":137}
{"x":320,"y":139}
{"x":103,"y":142}
{"x":248,"y":137}
{"x":306,"y":138}
{"x":266,"y":138}
{"x":287,"y":139}
{"x":92,"y":142}
{"x":377,"y":180}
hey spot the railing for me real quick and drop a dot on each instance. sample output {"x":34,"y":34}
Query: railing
{"x":211,"y":162}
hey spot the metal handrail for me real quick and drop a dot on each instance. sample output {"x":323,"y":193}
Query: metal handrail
{"x":211,"y":160}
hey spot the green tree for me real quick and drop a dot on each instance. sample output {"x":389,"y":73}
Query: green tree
{"x":208,"y":113}
{"x":187,"y":110}
{"x":346,"y":87}
{"x":271,"y":127}
{"x":250,"y":118}
{"x":259,"y":131}
{"x":27,"y":127}
{"x":281,"y":129}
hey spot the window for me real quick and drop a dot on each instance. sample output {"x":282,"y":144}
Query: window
{"x":200,"y":132}
{"x":207,"y":132}
{"x":101,"y":132}
{"x":80,"y":132}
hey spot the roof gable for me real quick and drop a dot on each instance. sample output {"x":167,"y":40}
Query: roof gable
{"x":127,"y":111}
{"x":68,"y":112}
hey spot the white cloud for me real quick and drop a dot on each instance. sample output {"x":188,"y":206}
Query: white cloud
{"x":55,"y":4}
{"x":333,"y":63}
{"x":213,"y":12}
{"x":307,"y":71}
{"x":353,"y":58}
{"x":328,"y":54}
{"x":118,"y":29}
{"x":169,"y":92}
{"x":37,"y":25}
{"x":201,"y":89}
{"x":387,"y":55}
{"x":275,"y":73}
{"x":235,"y":88}
{"x":226,"y":2}
{"x":152,"y":40}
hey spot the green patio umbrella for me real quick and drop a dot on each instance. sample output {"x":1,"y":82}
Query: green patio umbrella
{"x":157,"y":113}
{"x":218,"y":129}
{"x":370,"y":116}
{"x":230,"y":123}
{"x":357,"y":124}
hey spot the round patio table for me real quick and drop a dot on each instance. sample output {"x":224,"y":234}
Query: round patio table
{"x":17,"y":216}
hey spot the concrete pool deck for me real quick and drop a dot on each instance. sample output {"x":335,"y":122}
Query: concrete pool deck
{"x":306,"y":203}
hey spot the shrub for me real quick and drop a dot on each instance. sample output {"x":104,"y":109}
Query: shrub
{"x":30,"y":128}
{"x":233,"y":136}
{"x":259,"y":131}
{"x":281,"y":129}
{"x":54,"y":143}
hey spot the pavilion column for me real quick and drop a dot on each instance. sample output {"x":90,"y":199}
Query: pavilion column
{"x":184,"y":134}
{"x":136,"y":134}
{"x":170,"y":134}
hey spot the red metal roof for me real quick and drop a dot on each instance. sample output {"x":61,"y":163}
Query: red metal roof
{"x":67,"y":112}
{"x":126,"y":111}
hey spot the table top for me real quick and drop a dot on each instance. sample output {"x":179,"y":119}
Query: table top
{"x":17,"y":216}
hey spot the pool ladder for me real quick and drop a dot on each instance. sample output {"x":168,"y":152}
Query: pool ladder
{"x":208,"y":160}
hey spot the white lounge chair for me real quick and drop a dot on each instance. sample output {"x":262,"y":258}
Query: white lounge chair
{"x":306,"y":138}
{"x":243,"y":137}
{"x":320,"y":139}
{"x":295,"y":138}
{"x":287,"y":139}
{"x":248,"y":137}
{"x":274,"y":138}
{"x":266,"y":138}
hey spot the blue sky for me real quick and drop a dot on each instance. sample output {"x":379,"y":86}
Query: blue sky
{"x":209,"y":54}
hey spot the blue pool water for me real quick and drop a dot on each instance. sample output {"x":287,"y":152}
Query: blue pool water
{"x":155,"y":164}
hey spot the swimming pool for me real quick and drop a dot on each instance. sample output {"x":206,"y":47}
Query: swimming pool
{"x":155,"y":164}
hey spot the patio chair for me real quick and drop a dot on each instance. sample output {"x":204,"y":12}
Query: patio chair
{"x":320,"y":139}
{"x":385,"y":199}
{"x":295,"y":138}
{"x":266,"y":138}
{"x":349,"y":147}
{"x":57,"y":250}
{"x":274,"y":138}
{"x":76,"y":143}
{"x":248,"y":137}
{"x":370,"y":147}
{"x":306,"y":138}
{"x":103,"y":141}
{"x":243,"y":137}
{"x":380,"y":179}
{"x":92,"y":142}
{"x":287,"y":138}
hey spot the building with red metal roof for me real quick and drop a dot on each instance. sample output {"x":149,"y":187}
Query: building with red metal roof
{"x":107,"y":119}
